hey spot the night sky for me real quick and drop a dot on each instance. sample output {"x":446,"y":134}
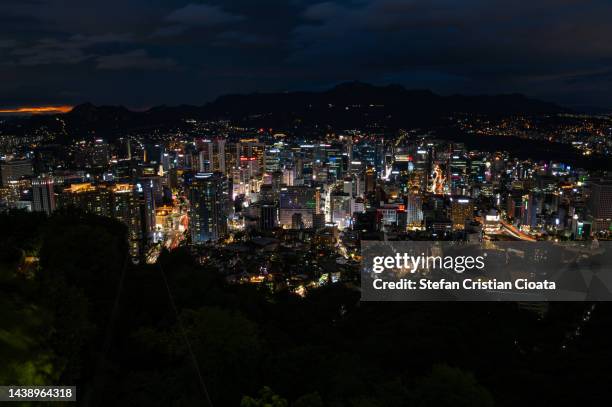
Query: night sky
{"x":144,"y":53}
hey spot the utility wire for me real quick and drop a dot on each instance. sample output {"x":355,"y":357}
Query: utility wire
{"x":196,"y":365}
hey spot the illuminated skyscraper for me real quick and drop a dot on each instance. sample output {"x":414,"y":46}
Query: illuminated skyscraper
{"x":43,"y":197}
{"x":212,"y":155}
{"x":462,"y":209}
{"x":100,"y":154}
{"x":208,"y":198}
{"x":600,"y":205}
{"x":414,"y":210}
{"x":119,"y":201}
{"x":268,"y":216}
{"x":370,"y":180}
{"x":126,"y":209}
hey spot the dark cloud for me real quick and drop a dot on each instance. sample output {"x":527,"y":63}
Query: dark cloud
{"x":189,"y":51}
{"x":202,"y":14}
{"x":138,"y":60}
{"x":70,"y":50}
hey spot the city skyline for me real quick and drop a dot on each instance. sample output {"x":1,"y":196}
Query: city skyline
{"x":340,"y":203}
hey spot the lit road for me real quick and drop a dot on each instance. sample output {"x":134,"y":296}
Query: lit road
{"x":514,"y":232}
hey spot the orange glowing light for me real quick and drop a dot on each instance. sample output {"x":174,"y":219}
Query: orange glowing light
{"x":38,"y":110}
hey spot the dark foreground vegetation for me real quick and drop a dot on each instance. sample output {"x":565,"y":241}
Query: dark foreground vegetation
{"x":73,"y":310}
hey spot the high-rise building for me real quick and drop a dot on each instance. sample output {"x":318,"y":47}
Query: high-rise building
{"x":530,"y":209}
{"x":119,"y":201}
{"x":370,"y":180}
{"x":462,"y":210}
{"x":514,"y":204}
{"x":600,"y":205}
{"x":212,"y":155}
{"x":208,"y":197}
{"x":249,"y":155}
{"x":100,"y":154}
{"x":268,"y":216}
{"x":126,"y":208}
{"x":414,"y":210}
{"x":43,"y":196}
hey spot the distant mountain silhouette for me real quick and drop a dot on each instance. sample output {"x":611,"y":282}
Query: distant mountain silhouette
{"x":355,"y":104}
{"x":346,"y":106}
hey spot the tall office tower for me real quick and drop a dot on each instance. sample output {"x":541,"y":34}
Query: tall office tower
{"x":155,"y":184}
{"x":268,"y":216}
{"x":370,"y":180}
{"x":380,"y":156}
{"x":421,"y":168}
{"x":600,"y":205}
{"x":414,"y":209}
{"x":251,"y":156}
{"x":531,"y":207}
{"x":100,"y":154}
{"x":296,"y":199}
{"x":232,"y":156}
{"x":166,"y":162}
{"x":207,"y":213}
{"x":212,"y":155}
{"x":43,"y":197}
{"x":288,"y":176}
{"x":14,"y":170}
{"x":126,"y":208}
{"x":457,"y":169}
{"x":462,"y":210}
{"x":348,"y":145}
{"x":514,"y":205}
{"x":147,"y":190}
{"x":272,"y":159}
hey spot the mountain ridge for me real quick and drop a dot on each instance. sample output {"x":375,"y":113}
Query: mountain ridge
{"x":349,"y":94}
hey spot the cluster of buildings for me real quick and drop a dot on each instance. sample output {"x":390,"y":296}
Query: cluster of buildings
{"x":350,"y":185}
